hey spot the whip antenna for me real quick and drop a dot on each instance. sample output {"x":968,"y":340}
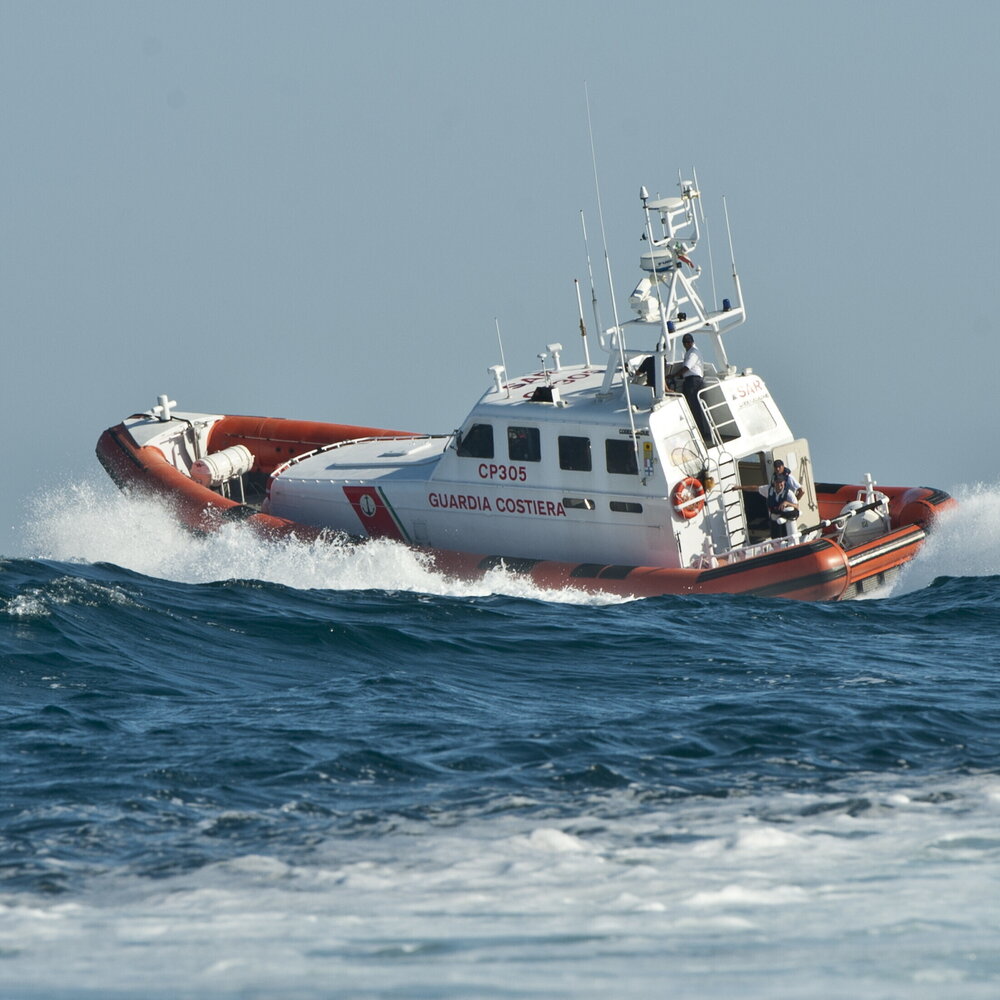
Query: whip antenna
{"x":600,"y":209}
{"x":593,"y":290}
{"x":708,"y":240}
{"x":503,"y":361}
{"x":732,"y":257}
{"x":583,"y":326}
{"x":619,"y":332}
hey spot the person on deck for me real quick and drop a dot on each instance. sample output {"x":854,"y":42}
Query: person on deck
{"x":782,"y":507}
{"x":780,"y":469}
{"x":692,"y":371}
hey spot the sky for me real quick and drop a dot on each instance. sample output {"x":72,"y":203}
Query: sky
{"x":321,"y":209}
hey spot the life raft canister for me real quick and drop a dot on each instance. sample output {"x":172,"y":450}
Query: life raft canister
{"x":688,"y":498}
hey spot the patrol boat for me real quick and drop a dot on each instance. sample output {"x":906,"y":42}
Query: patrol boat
{"x":600,"y":476}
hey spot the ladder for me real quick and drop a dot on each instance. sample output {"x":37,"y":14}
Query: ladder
{"x":733,"y":511}
{"x":721,"y":423}
{"x":724,"y":471}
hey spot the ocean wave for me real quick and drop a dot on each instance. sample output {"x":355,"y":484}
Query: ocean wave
{"x":173,"y":703}
{"x":160,"y":710}
{"x":800,"y":879}
{"x":91,"y":522}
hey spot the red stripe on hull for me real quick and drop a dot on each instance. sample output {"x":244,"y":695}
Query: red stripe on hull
{"x":813,"y":571}
{"x":374,"y":517}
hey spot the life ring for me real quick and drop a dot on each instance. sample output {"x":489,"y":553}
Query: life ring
{"x":688,"y":498}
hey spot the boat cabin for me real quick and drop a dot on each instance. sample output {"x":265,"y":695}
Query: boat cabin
{"x":591,"y":462}
{"x":561,"y":473}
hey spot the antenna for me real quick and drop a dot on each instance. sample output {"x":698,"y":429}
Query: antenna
{"x":708,"y":240}
{"x":593,"y":290}
{"x":697,"y":187}
{"x":661,"y":347}
{"x":502,"y":359}
{"x":732,"y":257}
{"x":600,"y":208}
{"x":583,"y":326}
{"x":619,"y":333}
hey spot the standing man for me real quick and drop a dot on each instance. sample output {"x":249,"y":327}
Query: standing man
{"x":692,"y":372}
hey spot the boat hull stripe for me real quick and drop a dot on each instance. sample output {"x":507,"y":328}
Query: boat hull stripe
{"x":587,"y":571}
{"x":616,"y":572}
{"x":772,"y":559}
{"x":785,"y":587}
{"x":513,"y":565}
{"x":886,"y":548}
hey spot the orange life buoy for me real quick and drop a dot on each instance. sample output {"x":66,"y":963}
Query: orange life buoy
{"x":688,"y":497}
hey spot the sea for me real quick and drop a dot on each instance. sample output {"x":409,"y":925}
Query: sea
{"x":230,"y":768}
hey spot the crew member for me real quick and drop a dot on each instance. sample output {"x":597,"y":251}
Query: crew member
{"x":692,"y":371}
{"x":782,"y":509}
{"x":780,"y":469}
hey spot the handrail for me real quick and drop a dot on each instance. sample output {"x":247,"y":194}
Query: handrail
{"x":340,"y":444}
{"x":710,"y":409}
{"x":744,"y":552}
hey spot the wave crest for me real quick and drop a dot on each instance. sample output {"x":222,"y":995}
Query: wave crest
{"x":96,"y":524}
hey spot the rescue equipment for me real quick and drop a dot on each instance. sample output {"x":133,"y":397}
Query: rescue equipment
{"x":688,"y":498}
{"x":214,"y":470}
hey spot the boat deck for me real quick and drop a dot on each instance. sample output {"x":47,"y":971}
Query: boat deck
{"x":370,"y":459}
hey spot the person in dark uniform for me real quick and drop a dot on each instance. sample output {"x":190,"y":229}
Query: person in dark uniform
{"x":782,"y":504}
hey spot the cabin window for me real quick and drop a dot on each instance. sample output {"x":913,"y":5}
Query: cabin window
{"x":578,"y":503}
{"x":620,"y":454}
{"x":623,"y":507}
{"x":523,"y":444}
{"x":757,"y":418}
{"x":574,"y":453}
{"x":476,"y":442}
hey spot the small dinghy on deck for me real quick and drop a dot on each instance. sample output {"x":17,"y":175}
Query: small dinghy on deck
{"x":600,"y":476}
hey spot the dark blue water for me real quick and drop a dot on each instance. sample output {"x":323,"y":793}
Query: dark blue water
{"x":164,"y":740}
{"x":150,"y":710}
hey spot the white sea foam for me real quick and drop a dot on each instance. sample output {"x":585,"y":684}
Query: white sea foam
{"x":745,"y":898}
{"x":27,"y":605}
{"x":798,"y":897}
{"x":964,"y":542}
{"x":548,"y":839}
{"x":94,"y":523}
